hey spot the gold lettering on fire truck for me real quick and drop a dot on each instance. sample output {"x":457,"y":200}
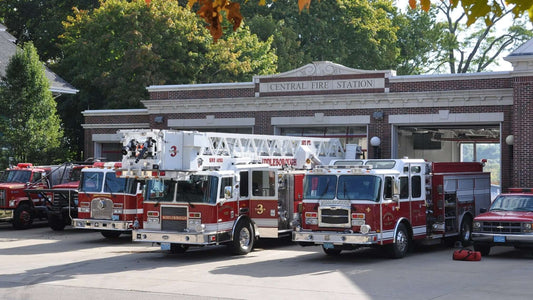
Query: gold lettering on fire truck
{"x":260,"y":209}
{"x":174,"y":218}
{"x":388,"y":219}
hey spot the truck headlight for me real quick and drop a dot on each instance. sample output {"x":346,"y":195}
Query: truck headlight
{"x":526,"y":227}
{"x":365,"y":229}
{"x":477,"y":226}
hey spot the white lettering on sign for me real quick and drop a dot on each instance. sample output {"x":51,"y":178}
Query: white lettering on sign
{"x":322,"y":85}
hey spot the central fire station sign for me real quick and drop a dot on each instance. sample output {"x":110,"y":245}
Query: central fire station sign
{"x":322,"y":78}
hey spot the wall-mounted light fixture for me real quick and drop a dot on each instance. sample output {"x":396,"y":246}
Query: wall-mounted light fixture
{"x":509,"y":140}
{"x":375,"y":142}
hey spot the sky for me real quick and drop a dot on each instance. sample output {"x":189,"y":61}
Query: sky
{"x":506,"y":23}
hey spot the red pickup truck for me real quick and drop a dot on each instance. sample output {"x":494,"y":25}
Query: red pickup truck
{"x":509,"y":222}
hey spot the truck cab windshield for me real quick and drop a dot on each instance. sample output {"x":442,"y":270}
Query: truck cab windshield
{"x":513,"y":203}
{"x":16,"y":176}
{"x":344,"y":187}
{"x":197,"y":189}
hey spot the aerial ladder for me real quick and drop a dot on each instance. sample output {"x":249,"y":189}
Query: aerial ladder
{"x":210,"y":188}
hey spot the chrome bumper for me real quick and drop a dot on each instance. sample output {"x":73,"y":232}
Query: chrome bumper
{"x":336,"y":238}
{"x":489,"y":238}
{"x":96,"y":224}
{"x":188,"y":238}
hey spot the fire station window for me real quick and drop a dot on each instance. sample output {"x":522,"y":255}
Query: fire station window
{"x":263,"y":183}
{"x":416,"y":187}
{"x":226,"y":181}
{"x":244,"y":185}
{"x":404,"y":187}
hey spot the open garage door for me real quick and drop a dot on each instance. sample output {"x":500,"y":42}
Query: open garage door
{"x":453,"y":143}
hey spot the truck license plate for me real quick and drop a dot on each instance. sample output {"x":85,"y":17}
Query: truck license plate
{"x":165,"y":246}
{"x":328,"y":246}
{"x":499,"y":239}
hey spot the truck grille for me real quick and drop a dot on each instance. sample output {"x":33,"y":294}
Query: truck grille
{"x":334,"y":217}
{"x":2,"y":197}
{"x":174,"y":218}
{"x":501,"y":227}
{"x":102,"y":208}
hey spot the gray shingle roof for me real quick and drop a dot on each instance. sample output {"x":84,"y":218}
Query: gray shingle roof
{"x":8,"y":48}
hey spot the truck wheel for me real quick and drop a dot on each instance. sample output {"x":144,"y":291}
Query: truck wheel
{"x":465,"y":235}
{"x":400,"y":245}
{"x":483,"y":249}
{"x":331,"y":251}
{"x":243,"y":240}
{"x":110,"y":234}
{"x":178,"y":248}
{"x":23,"y":217}
{"x":56,"y":222}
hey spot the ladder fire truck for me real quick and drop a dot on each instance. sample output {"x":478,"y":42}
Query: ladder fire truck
{"x":219,"y":188}
{"x":390,"y":203}
{"x":107,"y":203}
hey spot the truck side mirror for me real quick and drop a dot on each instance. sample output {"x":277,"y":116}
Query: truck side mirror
{"x":396,"y":190}
{"x":482,"y":210}
{"x":227,"y":192}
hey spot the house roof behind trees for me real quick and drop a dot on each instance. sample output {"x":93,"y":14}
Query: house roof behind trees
{"x":8,"y":48}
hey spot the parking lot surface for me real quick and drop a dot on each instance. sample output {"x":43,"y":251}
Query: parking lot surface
{"x":40,"y":263}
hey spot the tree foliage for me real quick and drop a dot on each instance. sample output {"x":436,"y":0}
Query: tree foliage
{"x":29,"y":123}
{"x":358,"y":34}
{"x":114,"y":52}
{"x":473,"y":49}
{"x":419,"y":39}
{"x":39,"y":21}
{"x":486,"y":10}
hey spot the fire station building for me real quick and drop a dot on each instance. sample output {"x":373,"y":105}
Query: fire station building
{"x":452,"y":117}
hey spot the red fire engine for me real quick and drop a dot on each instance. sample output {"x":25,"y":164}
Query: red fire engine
{"x":219,"y":188}
{"x":16,"y":205}
{"x":391,"y":203}
{"x":107,"y":203}
{"x":509,"y":222}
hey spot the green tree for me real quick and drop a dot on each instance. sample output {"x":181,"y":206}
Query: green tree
{"x":29,"y":123}
{"x":355,"y":33}
{"x":40,"y":21}
{"x":419,"y":39}
{"x":114,"y":52}
{"x":475,"y":48}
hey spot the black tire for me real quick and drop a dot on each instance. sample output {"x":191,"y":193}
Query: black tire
{"x":465,"y":234}
{"x":401,"y":243}
{"x":23,"y":217}
{"x":243,"y":239}
{"x":178,"y":248}
{"x":111,"y":234}
{"x":56,"y":222}
{"x":332,"y":251}
{"x":483,"y":249}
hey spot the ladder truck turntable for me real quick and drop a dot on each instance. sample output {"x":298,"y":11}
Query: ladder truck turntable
{"x":207,"y":188}
{"x":390,"y":203}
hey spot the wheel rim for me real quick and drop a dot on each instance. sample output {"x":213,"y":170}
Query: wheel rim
{"x":401,"y":241}
{"x":24,"y":217}
{"x":244,"y":238}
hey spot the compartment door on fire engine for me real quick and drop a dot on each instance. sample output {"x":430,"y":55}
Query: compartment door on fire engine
{"x":264,"y":202}
{"x":226,"y":212}
{"x":417,"y":199}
